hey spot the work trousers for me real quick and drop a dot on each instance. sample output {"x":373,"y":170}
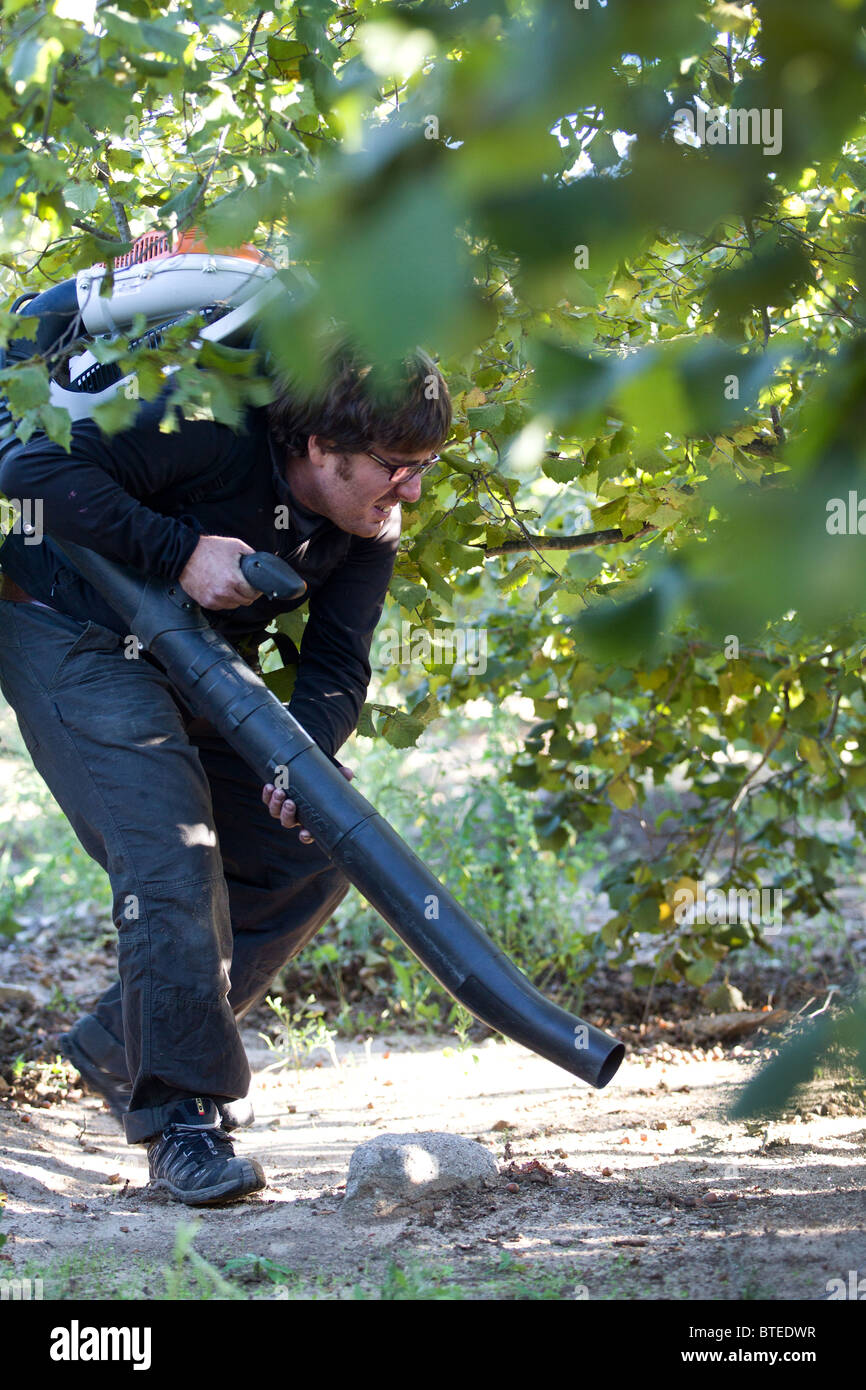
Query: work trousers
{"x":211,"y":895}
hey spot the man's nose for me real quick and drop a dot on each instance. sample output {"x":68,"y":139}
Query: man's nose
{"x":410,"y":489}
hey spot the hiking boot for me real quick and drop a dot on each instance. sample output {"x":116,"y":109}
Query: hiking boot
{"x":116,"y":1091}
{"x":195,"y":1161}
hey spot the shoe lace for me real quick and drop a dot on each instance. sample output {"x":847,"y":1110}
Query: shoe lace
{"x":195,"y":1137}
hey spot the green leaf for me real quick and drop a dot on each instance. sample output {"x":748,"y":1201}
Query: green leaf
{"x":102,"y":104}
{"x":146,"y":37}
{"x":562,"y":470}
{"x":25,"y":387}
{"x":14,"y":326}
{"x":434,"y":580}
{"x":407,"y":594}
{"x":57,"y":424}
{"x":700,"y":971}
{"x":283,"y":50}
{"x":292,"y":624}
{"x":366,"y":727}
{"x":611,"y":930}
{"x":516,"y":575}
{"x":401,"y":730}
{"x":281,"y":682}
{"x":116,"y":414}
{"x":234,"y":361}
{"x":180,"y":204}
{"x":622,"y":792}
{"x":486,"y":417}
{"x":779,"y":1079}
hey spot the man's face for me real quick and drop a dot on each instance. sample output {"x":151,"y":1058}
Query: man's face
{"x":356,"y":493}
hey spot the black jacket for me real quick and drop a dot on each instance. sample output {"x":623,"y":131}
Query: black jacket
{"x":143,"y":497}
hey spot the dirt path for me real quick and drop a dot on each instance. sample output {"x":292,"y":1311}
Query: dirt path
{"x":645,"y":1190}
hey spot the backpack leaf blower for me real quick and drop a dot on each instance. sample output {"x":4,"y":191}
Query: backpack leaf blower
{"x":220,"y":687}
{"x":165,"y":284}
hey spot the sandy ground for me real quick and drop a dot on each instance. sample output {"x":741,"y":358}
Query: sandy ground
{"x":646,"y":1190}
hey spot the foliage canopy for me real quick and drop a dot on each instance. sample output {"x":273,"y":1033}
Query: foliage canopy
{"x":655,"y":344}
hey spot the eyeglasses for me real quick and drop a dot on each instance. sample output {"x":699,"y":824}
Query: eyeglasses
{"x":401,"y":472}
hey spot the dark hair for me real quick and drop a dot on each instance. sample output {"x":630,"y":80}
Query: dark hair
{"x":403,"y":406}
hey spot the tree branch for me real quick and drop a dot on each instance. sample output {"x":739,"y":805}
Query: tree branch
{"x":120,"y":217}
{"x":206,"y":178}
{"x":240,"y":66}
{"x":96,"y":231}
{"x":775,"y":415}
{"x":714,"y":843}
{"x":585,"y":541}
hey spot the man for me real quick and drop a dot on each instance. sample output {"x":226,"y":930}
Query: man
{"x":212,"y":896}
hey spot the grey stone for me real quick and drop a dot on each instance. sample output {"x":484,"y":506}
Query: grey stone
{"x":18,"y":994}
{"x":394,"y":1170}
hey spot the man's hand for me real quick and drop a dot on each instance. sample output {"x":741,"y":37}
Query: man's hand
{"x":212,"y":574}
{"x":284,"y":811}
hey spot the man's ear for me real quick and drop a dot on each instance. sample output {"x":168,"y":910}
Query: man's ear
{"x":318,"y":449}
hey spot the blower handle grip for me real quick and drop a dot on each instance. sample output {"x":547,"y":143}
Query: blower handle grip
{"x":272,"y":576}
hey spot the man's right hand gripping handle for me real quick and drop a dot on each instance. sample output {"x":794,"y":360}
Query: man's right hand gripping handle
{"x":212,"y":574}
{"x":221,"y":573}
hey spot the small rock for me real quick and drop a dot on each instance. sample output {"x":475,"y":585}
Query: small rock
{"x":394,"y":1169}
{"x":16,"y":994}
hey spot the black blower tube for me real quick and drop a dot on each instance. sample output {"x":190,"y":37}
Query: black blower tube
{"x":219,"y":686}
